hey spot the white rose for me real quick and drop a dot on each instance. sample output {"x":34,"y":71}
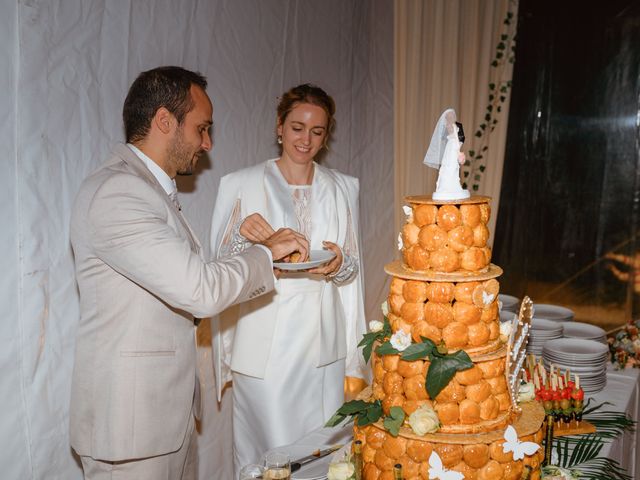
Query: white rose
{"x":375,"y":326}
{"x":400,"y":242}
{"x":340,"y":471}
{"x":385,"y":308}
{"x":400,"y":340}
{"x":527,"y":392}
{"x":424,"y":420}
{"x":505,"y":331}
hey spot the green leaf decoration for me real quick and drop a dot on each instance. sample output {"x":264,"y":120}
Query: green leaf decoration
{"x":475,"y":188}
{"x":386,"y":349}
{"x":369,"y":339}
{"x":367,"y":412}
{"x":370,"y":415}
{"x":443,"y":368}
{"x":417,"y":351}
{"x":482,"y":168}
{"x":394,"y":421}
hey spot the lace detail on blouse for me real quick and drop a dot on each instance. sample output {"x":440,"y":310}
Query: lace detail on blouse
{"x":350,"y":265}
{"x":232,"y":241}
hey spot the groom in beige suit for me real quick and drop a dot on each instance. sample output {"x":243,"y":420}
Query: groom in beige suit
{"x":142,"y":281}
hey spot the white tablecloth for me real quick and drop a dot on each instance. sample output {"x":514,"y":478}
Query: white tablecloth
{"x":622,"y":392}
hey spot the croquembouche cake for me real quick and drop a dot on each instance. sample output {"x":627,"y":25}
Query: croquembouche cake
{"x":445,"y":378}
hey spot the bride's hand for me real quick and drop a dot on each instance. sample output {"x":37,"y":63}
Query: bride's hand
{"x":461,"y":158}
{"x":334,"y":265}
{"x":255,"y":228}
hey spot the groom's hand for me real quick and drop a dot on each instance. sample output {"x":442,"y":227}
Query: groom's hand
{"x":286,"y":241}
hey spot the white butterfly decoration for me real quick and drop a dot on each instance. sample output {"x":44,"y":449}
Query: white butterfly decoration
{"x":408,"y":211}
{"x":519,"y":449}
{"x":436,"y":470}
{"x":400,"y":242}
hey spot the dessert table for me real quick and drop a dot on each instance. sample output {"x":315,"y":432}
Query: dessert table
{"x":622,"y":391}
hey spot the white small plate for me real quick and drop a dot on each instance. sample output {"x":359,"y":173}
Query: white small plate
{"x":316,"y":258}
{"x":583,"y":330}
{"x":552,"y":312}
{"x":576,"y":347}
{"x":509,"y":302}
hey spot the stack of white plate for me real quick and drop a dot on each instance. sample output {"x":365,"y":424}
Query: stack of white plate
{"x":507,"y":315}
{"x":585,"y":358}
{"x":584,"y":330}
{"x":509,"y":303}
{"x":540,"y":333}
{"x":552,"y":312}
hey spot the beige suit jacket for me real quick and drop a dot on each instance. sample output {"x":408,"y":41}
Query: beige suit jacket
{"x":142,"y":281}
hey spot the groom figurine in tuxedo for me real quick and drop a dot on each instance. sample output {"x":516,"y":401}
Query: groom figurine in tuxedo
{"x":143,"y":283}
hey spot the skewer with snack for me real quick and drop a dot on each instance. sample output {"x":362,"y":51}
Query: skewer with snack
{"x":560,"y":396}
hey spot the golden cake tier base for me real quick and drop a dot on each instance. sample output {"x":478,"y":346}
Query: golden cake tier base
{"x":477,"y":456}
{"x":427,"y":200}
{"x":527,"y":422}
{"x":573,"y":428}
{"x":399,"y":269}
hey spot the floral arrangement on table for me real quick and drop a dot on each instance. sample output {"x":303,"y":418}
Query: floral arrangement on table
{"x":625,"y":347}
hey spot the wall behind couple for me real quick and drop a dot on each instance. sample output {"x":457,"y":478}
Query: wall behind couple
{"x":67,"y":65}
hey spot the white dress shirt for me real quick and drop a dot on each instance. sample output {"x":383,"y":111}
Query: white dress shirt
{"x":167,"y":183}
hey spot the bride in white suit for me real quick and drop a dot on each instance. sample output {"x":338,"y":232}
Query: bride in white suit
{"x":289,"y":352}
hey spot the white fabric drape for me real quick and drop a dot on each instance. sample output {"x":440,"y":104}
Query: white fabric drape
{"x":67,"y":65}
{"x":443,"y":53}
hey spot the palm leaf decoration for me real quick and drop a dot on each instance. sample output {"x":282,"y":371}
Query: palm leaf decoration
{"x":580,"y":453}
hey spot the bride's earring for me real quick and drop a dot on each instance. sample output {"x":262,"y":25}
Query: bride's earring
{"x":279,"y":139}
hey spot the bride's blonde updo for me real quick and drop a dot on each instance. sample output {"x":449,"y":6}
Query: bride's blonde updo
{"x":307,"y":93}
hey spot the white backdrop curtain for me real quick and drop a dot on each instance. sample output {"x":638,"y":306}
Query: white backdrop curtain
{"x":67,"y":65}
{"x":443,"y":53}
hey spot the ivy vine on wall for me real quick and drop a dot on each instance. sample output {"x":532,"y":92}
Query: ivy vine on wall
{"x":475,"y":163}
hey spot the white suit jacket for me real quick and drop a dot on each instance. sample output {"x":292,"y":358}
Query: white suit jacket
{"x":142,"y":281}
{"x":336,"y":203}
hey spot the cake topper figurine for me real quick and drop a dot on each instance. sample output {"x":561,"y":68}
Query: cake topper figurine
{"x":444,"y":154}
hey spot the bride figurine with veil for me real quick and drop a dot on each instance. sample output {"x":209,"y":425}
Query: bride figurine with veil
{"x":444,"y":153}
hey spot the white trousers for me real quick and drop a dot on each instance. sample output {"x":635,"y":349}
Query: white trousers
{"x":296,"y":396}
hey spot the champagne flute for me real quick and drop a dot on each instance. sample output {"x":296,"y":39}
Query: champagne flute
{"x":278,"y":466}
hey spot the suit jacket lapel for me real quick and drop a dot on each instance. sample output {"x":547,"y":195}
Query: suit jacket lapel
{"x":138,"y":166}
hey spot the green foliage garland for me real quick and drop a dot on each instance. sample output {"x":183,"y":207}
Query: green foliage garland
{"x":475,"y":163}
